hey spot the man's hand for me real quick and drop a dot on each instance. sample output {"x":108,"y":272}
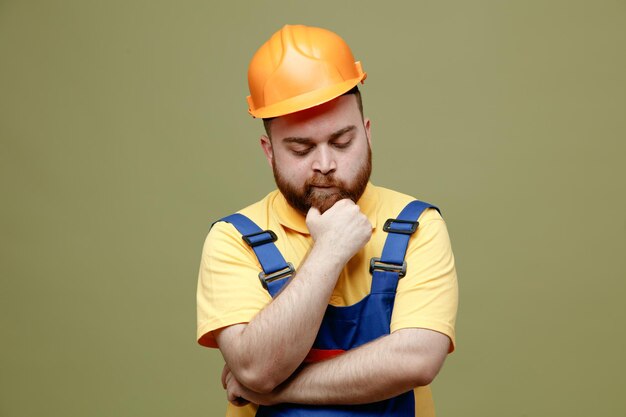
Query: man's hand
{"x":238,"y":395}
{"x":342,"y":230}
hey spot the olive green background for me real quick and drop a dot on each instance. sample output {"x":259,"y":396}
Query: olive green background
{"x":124,"y":133}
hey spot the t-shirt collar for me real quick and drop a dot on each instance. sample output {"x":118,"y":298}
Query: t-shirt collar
{"x":293,"y":219}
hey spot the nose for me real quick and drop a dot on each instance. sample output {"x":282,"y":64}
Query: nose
{"x":324,"y":161}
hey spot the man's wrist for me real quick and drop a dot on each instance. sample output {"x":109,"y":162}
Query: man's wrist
{"x":332,"y":260}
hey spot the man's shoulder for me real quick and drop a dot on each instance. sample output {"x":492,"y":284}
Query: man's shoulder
{"x":258,"y":212}
{"x":391,"y":197}
{"x":391,"y":203}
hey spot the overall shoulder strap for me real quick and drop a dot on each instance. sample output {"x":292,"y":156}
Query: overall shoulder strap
{"x":275,"y":269}
{"x":391,"y":263}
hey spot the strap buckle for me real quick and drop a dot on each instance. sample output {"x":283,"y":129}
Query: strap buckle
{"x":256,"y":239}
{"x":388,"y":227}
{"x":376,"y":264}
{"x":287,"y":271}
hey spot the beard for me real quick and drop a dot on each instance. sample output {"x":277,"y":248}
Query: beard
{"x":333,"y":189}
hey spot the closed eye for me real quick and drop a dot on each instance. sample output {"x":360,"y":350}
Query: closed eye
{"x":342,"y":145}
{"x":301,"y":152}
{"x":343,"y":141}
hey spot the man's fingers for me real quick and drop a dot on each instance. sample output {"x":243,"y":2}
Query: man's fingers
{"x":240,"y":402}
{"x":225,"y":372}
{"x":233,"y":391}
{"x":236,"y":400}
{"x":229,"y":376}
{"x":313,"y":213}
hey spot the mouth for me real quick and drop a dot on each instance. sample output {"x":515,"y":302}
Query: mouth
{"x":323,"y":184}
{"x":324,"y":187}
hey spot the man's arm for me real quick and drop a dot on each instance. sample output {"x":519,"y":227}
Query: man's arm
{"x":265,"y":352}
{"x":376,"y":371}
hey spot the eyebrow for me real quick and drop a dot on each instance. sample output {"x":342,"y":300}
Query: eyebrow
{"x":332,"y":136}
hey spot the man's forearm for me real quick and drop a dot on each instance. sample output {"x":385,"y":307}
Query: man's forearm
{"x":377,"y":371}
{"x":264,"y":352}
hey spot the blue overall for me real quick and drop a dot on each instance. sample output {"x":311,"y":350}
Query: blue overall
{"x":344,"y":328}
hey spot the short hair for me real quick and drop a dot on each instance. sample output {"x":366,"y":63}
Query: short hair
{"x":354,"y":90}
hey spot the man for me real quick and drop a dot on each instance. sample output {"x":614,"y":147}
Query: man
{"x":332,"y":327}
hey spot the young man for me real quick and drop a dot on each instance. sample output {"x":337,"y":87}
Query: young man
{"x":354,"y":311}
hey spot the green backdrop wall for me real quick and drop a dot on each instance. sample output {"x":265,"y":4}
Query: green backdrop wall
{"x":124,"y":132}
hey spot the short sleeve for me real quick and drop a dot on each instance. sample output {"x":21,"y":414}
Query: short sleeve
{"x":229,"y":290}
{"x":427,"y":297}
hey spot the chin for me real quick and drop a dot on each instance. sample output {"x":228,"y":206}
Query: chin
{"x":323,"y":203}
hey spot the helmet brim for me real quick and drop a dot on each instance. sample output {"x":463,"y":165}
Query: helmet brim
{"x":307,"y":100}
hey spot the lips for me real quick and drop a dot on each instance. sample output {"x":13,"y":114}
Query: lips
{"x":324,"y":189}
{"x":323,"y":184}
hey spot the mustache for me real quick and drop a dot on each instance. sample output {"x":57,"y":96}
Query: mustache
{"x":323,"y":181}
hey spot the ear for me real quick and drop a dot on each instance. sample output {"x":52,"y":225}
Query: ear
{"x":266,"y":144}
{"x":368,"y":133}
